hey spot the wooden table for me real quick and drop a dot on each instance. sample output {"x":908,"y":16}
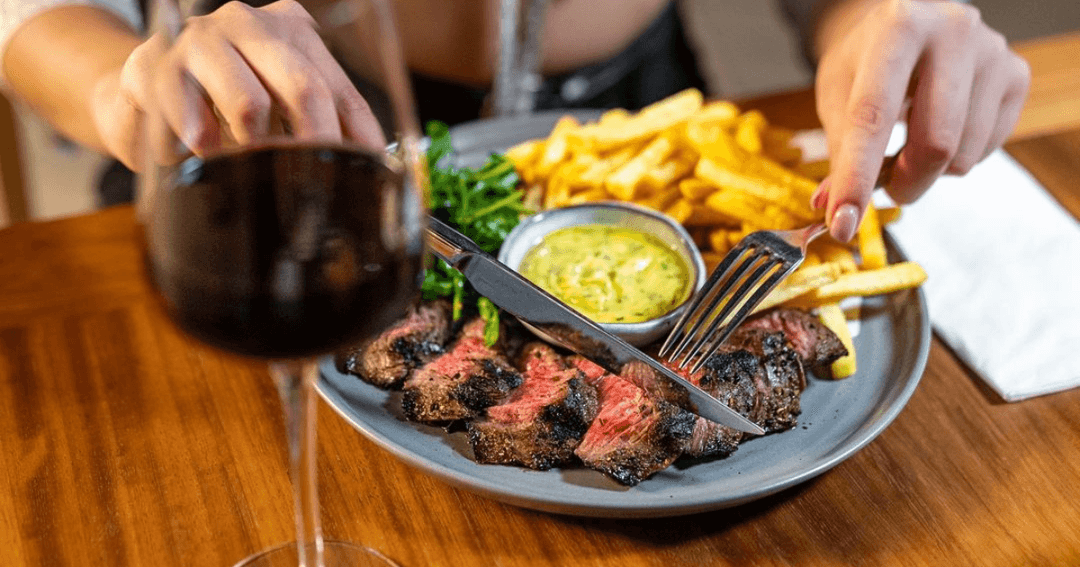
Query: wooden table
{"x":124,"y":443}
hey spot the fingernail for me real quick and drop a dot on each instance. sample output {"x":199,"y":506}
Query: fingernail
{"x":820,"y":197}
{"x":845,"y":222}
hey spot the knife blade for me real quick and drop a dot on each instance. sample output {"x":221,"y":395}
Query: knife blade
{"x":563,"y":324}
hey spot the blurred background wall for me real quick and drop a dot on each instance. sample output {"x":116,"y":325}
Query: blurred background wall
{"x":746,"y":45}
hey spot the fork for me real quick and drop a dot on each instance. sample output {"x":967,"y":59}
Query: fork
{"x":752,"y":269}
{"x":743,"y":278}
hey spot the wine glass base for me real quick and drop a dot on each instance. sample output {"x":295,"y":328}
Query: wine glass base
{"x":335,"y":554}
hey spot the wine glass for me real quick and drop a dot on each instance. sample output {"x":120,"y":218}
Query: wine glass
{"x":287,"y":245}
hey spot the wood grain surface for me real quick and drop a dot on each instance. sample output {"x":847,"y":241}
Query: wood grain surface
{"x":124,"y":443}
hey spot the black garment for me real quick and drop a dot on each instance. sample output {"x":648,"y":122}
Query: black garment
{"x":658,"y":63}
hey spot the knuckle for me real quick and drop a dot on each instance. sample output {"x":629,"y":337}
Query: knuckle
{"x":234,"y":9}
{"x":939,"y":148}
{"x":902,"y":18}
{"x":252,"y":109}
{"x":868,"y":114}
{"x":962,"y":20}
{"x":307,"y":91}
{"x":999,"y":46}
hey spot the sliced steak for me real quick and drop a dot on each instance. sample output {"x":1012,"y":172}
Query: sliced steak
{"x":731,"y":376}
{"x":411,"y":342}
{"x":542,"y":422}
{"x":634,"y":434}
{"x":460,"y":383}
{"x":817,"y":345}
{"x":654,"y":383}
{"x":781,"y":383}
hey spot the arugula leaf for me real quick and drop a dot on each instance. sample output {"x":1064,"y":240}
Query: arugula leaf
{"x":484,"y":204}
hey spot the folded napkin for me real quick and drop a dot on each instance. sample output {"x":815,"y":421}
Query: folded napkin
{"x":1003,"y":260}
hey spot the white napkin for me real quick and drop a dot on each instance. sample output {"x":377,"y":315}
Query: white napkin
{"x":1003,"y":260}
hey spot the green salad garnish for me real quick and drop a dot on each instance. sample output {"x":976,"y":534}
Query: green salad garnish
{"x":484,"y":204}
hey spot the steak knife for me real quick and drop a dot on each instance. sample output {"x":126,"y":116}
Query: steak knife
{"x":562,"y":324}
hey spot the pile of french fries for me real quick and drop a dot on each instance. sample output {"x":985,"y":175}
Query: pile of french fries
{"x":722,"y":173}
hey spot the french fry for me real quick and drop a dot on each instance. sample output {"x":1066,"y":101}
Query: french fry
{"x":764,"y":189}
{"x":623,"y":182}
{"x":588,"y":197}
{"x":871,"y":244}
{"x":661,"y":200}
{"x":816,"y":170}
{"x":649,"y":122}
{"x":694,"y":189}
{"x":735,"y":206}
{"x":667,"y":173}
{"x":888,"y":215}
{"x":748,"y":132}
{"x":799,"y":284}
{"x":680,"y":210}
{"x":836,"y":254}
{"x":833,"y":318}
{"x":891,"y":278}
{"x":555,"y":148}
{"x":525,"y":154}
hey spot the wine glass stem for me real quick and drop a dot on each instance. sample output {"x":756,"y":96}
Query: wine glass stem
{"x":296,"y":384}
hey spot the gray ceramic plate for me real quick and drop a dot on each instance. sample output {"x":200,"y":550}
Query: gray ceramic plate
{"x":838,"y":418}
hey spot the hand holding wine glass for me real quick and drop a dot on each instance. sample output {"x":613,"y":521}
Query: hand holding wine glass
{"x":277,"y":223}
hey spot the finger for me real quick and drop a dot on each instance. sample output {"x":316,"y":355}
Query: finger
{"x":939,"y":115}
{"x":871,"y":110}
{"x":287,"y":75}
{"x":1011,"y":105}
{"x":233,"y":88}
{"x":358,"y":122}
{"x":178,"y":98}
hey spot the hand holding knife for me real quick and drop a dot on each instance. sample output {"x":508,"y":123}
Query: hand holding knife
{"x":561,"y":323}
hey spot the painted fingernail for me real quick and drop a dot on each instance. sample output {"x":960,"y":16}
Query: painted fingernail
{"x":820,"y":197}
{"x":844,"y":222}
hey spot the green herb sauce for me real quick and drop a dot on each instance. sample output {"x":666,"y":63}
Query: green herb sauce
{"x":609,"y":274}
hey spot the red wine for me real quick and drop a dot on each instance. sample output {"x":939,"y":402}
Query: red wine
{"x":285,"y":251}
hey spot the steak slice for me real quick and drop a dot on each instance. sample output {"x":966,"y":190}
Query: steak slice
{"x":817,"y":345}
{"x":460,"y":383}
{"x":542,"y":422}
{"x":635,"y":434}
{"x":730,"y":376}
{"x":781,"y":383}
{"x":411,"y":342}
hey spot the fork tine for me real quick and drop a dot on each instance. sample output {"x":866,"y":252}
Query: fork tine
{"x":692,"y":309}
{"x":697,"y":316}
{"x":766,"y":264}
{"x":704,"y":355}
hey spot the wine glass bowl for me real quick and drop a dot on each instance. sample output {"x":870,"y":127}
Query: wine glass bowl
{"x":289,"y":243}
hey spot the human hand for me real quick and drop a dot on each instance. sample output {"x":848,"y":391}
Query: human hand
{"x":231,"y":73}
{"x":966,"y":90}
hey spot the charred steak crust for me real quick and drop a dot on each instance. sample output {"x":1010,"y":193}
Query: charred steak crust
{"x":817,"y":345}
{"x":783,"y":380}
{"x":635,"y":433}
{"x":488,"y":387}
{"x":460,"y":383}
{"x":542,"y":422}
{"x":411,"y":342}
{"x":732,"y":377}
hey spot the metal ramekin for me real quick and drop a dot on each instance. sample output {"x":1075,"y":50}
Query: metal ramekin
{"x":531,"y":231}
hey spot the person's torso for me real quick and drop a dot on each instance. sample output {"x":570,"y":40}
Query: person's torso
{"x":458,"y":40}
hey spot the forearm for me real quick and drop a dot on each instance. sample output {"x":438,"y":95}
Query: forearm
{"x":55,"y":61}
